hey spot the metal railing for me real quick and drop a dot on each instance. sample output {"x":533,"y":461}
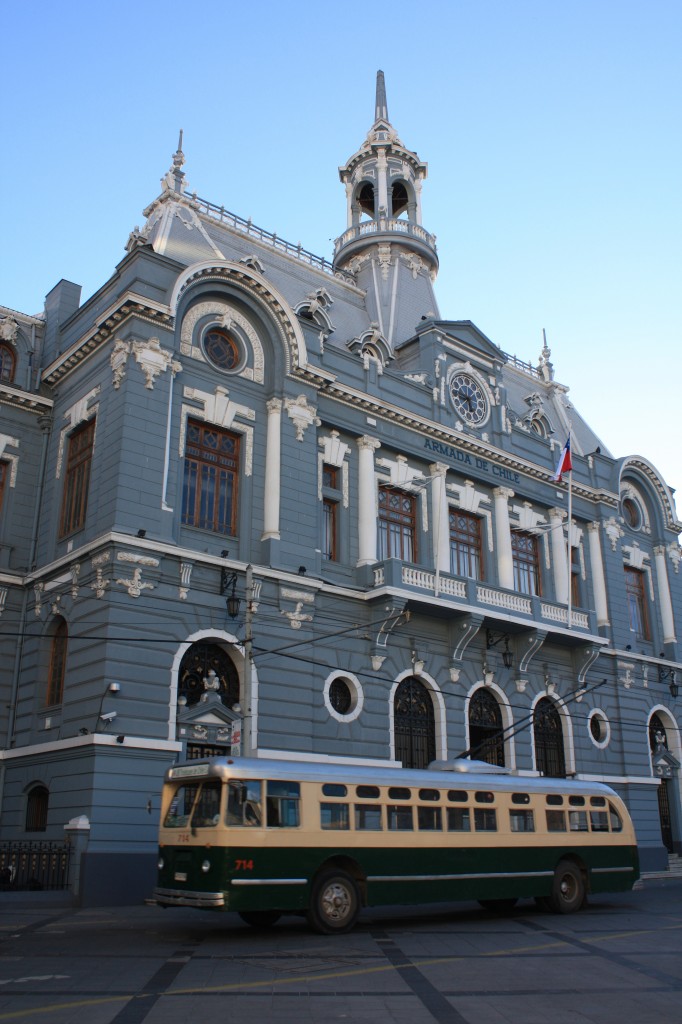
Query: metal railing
{"x":34,"y":865}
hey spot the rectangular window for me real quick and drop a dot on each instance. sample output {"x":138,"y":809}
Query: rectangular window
{"x":244,"y":806}
{"x":599,"y":821}
{"x":576,"y":596}
{"x":521,"y":821}
{"x":465,"y":545}
{"x":637,"y":605}
{"x":211,"y":480}
{"x":429,"y":819}
{"x":399,"y":818}
{"x":283,"y":804}
{"x":577,"y":821}
{"x":526,"y":563}
{"x":397,"y":525}
{"x":77,"y":479}
{"x":459,"y":819}
{"x":556,"y":821}
{"x":329,"y":530}
{"x":368,"y":817}
{"x":4,"y":476}
{"x":334,"y":816}
{"x":485,"y":819}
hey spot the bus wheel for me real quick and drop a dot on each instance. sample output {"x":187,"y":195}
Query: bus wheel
{"x":335,"y":903}
{"x":260,"y":918}
{"x":498,"y":906}
{"x":568,"y":889}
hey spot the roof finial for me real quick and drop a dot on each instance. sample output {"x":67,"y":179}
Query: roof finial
{"x":174,"y":179}
{"x":545,"y":368}
{"x":381,"y":106}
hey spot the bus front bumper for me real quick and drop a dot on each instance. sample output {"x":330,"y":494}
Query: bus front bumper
{"x":180,"y":898}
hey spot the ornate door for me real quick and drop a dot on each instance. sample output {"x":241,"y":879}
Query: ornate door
{"x":485,"y":728}
{"x":549,"y":740}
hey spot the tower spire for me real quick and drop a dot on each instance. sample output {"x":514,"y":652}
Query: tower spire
{"x":381,"y":105}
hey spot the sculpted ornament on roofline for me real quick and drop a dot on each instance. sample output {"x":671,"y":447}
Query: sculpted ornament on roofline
{"x":154,"y":360}
{"x":118,"y":360}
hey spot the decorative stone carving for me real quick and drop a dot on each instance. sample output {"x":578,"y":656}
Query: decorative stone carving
{"x":100,"y":585}
{"x":118,"y":360}
{"x":135,"y":585}
{"x":613,"y":530}
{"x":8,"y":329}
{"x":384,"y":259}
{"x":136,"y":558}
{"x":3,"y":598}
{"x":75,"y":571}
{"x":154,"y":360}
{"x":38,"y":589}
{"x":301,"y":597}
{"x":675,"y":554}
{"x":185,"y":577}
{"x":301,"y":414}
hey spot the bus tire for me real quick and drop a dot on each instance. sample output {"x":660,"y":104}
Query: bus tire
{"x":568,"y":889}
{"x":499,"y":906}
{"x":260,"y":918}
{"x":335,"y":903}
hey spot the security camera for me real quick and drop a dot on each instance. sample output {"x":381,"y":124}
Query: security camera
{"x":108,"y":716}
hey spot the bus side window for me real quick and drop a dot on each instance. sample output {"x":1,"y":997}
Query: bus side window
{"x":243,"y":802}
{"x":485,"y":819}
{"x":429,"y":819}
{"x":368,"y":817}
{"x":577,"y":821}
{"x":521,"y":821}
{"x":283,"y":804}
{"x":616,"y":820}
{"x":399,"y":818}
{"x":334,"y":816}
{"x":599,"y":821}
{"x":459,"y":819}
{"x":556,"y":821}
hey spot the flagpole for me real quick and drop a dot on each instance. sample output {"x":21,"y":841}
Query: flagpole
{"x":568,"y":547}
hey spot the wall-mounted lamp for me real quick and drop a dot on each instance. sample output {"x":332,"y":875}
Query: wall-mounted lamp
{"x":669,"y":673}
{"x":229,"y":580}
{"x":492,"y":639}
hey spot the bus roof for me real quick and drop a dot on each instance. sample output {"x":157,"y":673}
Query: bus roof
{"x":478,"y":777}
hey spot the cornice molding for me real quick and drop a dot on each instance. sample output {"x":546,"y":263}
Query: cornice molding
{"x":25,"y":400}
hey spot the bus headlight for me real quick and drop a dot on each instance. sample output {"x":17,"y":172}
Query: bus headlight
{"x":160,"y":863}
{"x":205,"y":866}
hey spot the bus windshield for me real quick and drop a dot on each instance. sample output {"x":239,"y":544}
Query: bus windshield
{"x":195,"y":804}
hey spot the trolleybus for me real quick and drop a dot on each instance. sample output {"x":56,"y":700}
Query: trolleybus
{"x":268,"y":837}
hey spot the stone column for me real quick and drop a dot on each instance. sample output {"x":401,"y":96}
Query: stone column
{"x":664,"y":600}
{"x":597,"y":572}
{"x":367,"y":510}
{"x":505,"y":561}
{"x":440,"y":518}
{"x":559,"y":554}
{"x":273,"y":460}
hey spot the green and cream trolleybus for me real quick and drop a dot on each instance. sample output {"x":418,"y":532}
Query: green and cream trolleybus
{"x":267,"y":837}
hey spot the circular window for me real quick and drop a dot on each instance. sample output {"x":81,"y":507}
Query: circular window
{"x":222,"y":348}
{"x":599,"y":728}
{"x":631,"y":513}
{"x":343,"y":697}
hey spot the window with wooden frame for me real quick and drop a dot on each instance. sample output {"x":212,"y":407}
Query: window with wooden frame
{"x":576,"y":595}
{"x":77,"y":479}
{"x":465,"y":545}
{"x":57,"y":669}
{"x":637,"y":603}
{"x":37,"y":802}
{"x":526,"y":563}
{"x":397,"y":524}
{"x":211,"y":479}
{"x":331,"y":498}
{"x":7,"y":364}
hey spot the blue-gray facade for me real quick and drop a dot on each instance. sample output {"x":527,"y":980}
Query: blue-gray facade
{"x":232,"y":417}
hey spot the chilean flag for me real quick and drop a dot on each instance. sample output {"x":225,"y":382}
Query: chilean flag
{"x":565,"y":464}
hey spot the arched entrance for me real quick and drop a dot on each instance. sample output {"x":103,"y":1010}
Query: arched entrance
{"x":486,"y":742}
{"x":208,"y":688}
{"x":549,"y":740}
{"x":414,"y":724}
{"x":658,"y":743}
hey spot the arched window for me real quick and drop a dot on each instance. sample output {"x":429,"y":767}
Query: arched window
{"x":366,"y":199}
{"x":206,"y":668}
{"x":414,"y":724}
{"x":399,"y":198}
{"x":7,"y":364}
{"x":55,"y":680}
{"x":485,"y":728}
{"x":36,"y":809}
{"x":549,"y":740}
{"x":658,"y":741}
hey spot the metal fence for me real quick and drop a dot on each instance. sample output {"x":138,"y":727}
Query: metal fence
{"x":34,"y":865}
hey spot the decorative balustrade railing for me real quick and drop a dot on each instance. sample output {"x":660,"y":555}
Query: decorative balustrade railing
{"x":34,"y":864}
{"x":389,"y":225}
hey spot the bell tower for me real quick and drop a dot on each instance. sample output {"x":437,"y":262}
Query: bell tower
{"x":385,"y":245}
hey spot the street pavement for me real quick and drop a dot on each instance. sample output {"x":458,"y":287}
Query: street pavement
{"x":618,"y":960}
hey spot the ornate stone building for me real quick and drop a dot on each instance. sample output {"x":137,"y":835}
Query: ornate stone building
{"x":254,"y":501}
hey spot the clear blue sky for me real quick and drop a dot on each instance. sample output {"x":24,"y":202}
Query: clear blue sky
{"x":551,"y":130}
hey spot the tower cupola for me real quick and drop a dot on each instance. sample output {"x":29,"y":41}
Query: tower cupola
{"x":384,"y":230}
